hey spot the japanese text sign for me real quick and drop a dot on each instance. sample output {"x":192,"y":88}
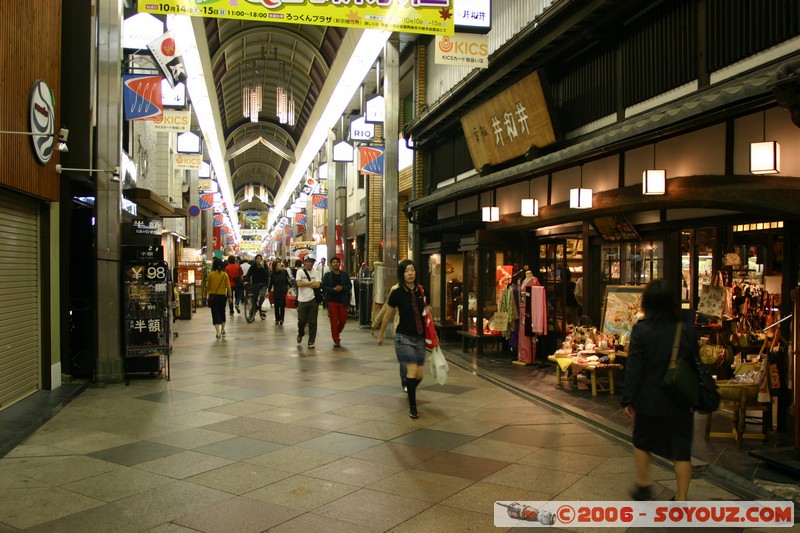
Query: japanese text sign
{"x":509,"y":124}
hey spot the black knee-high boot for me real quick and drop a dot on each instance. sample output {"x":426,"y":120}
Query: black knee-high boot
{"x":412,"y":396}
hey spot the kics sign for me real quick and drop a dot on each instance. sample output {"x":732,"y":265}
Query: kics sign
{"x":462,"y":49}
{"x":171,"y":120}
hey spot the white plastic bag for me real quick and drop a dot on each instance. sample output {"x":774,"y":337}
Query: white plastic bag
{"x":265,"y":305}
{"x":439,"y":367}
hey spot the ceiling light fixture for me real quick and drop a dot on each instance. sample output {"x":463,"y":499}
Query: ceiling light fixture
{"x":654,"y":181}
{"x":284,"y":95}
{"x":529,"y":207}
{"x":490,"y":213}
{"x":252,"y":94}
{"x":765,"y":156}
{"x":580,"y":198}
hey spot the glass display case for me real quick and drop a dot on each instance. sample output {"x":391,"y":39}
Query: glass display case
{"x":446,"y":272}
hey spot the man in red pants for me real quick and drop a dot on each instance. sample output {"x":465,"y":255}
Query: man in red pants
{"x":337,"y":287}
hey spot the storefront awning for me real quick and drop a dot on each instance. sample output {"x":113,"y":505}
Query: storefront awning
{"x":150,"y":201}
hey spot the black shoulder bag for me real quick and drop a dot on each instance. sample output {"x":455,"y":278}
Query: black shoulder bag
{"x":317,"y":292}
{"x":680,"y":381}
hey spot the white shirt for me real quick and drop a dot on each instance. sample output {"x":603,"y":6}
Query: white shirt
{"x":322,"y":269}
{"x":306,"y":294}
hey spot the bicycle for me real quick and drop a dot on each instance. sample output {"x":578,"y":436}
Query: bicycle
{"x":254,"y":294}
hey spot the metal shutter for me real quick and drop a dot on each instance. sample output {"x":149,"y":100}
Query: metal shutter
{"x":19,"y":293}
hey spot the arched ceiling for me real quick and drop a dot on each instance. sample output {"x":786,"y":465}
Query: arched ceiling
{"x":239,"y":51}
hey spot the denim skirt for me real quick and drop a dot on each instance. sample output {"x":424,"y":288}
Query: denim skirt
{"x":409,"y":349}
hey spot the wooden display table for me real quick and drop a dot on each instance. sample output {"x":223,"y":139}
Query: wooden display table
{"x":743,"y":397}
{"x":569,"y":365}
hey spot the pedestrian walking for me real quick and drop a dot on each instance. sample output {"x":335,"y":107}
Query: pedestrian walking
{"x":409,"y":336}
{"x":661,"y":426}
{"x":235,"y":274}
{"x":307,"y":281}
{"x":336,"y":285}
{"x":376,"y":324}
{"x":279,"y":284}
{"x":218,"y":290}
{"x":258,"y":275}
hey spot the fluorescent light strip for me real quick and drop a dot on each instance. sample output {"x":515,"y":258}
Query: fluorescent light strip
{"x":207,"y":115}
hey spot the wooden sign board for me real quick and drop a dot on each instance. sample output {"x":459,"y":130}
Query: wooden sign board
{"x":509,"y":124}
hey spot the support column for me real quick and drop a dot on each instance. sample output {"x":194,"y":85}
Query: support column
{"x":107,"y":203}
{"x":333,"y":212}
{"x":195,"y":230}
{"x":391,"y":129}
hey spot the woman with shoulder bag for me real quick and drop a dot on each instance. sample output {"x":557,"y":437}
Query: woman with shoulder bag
{"x":409,"y":337}
{"x":218,"y":286}
{"x":662,"y":426}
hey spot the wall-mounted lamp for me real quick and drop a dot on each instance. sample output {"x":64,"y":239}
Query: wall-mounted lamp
{"x":580,"y":198}
{"x":114,"y":171}
{"x":529,"y":207}
{"x":765,"y":156}
{"x":654,"y":181}
{"x":62,"y":135}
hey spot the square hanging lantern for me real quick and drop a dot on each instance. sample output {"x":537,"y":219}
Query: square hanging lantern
{"x":654,"y":182}
{"x":765,"y":157}
{"x":580,"y":198}
{"x":529,"y":207}
{"x":490,"y":214}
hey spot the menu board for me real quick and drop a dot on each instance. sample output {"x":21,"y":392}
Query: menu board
{"x":146,"y":315}
{"x":622,"y":308}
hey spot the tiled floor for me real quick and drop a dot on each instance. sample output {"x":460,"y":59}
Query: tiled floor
{"x":257,"y":433}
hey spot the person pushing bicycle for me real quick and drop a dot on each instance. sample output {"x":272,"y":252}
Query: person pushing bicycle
{"x":258,"y":278}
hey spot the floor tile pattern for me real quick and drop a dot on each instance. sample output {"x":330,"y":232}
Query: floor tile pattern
{"x":256,"y":433}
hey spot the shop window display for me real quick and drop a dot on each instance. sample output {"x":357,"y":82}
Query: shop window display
{"x":486,"y":275}
{"x":447,"y":308}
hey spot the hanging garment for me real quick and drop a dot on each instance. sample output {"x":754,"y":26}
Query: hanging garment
{"x":538,"y":310}
{"x":508,"y":306}
{"x":526,"y":351}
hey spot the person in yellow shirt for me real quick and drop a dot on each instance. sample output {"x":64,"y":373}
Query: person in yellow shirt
{"x":218,"y":290}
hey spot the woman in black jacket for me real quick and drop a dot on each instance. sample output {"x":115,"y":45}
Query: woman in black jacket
{"x":661,"y":426}
{"x":258,"y":275}
{"x":279,"y":284}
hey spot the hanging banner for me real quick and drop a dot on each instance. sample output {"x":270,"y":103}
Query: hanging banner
{"x":310,"y":185}
{"x":319,"y":201}
{"x":508,"y":125}
{"x":207,"y":201}
{"x":165,"y":54}
{"x":218,"y":220}
{"x":141,"y":96}
{"x":300,"y":218}
{"x":216,"y":238}
{"x":430,"y":17}
{"x":371,"y":158}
